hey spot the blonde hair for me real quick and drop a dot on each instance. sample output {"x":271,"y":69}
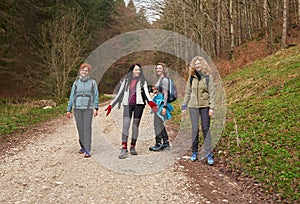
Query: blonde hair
{"x":165,"y":68}
{"x":204,"y":66}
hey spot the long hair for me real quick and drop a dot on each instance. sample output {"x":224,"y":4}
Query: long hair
{"x":165,"y":69}
{"x":129,"y":74}
{"x":204,"y":66}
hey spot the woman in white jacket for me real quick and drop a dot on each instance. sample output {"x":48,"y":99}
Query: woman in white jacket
{"x":133,"y":94}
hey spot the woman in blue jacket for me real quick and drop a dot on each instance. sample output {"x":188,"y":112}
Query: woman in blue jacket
{"x":83,"y":100}
{"x":133,"y":94}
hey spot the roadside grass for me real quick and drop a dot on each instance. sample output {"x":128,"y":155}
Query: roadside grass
{"x":19,"y":115}
{"x":262,"y":133}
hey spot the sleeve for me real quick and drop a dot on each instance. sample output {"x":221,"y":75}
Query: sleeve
{"x":211,"y":91}
{"x":71,"y":98}
{"x":96,"y":95}
{"x":115,"y":100}
{"x":146,"y":90}
{"x":165,"y":89}
{"x":187,"y":92}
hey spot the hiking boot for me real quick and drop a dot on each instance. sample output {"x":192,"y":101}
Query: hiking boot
{"x":165,"y":146}
{"x":132,"y":151}
{"x":81,"y":151}
{"x":123,"y":154}
{"x":210,"y":160}
{"x":156,"y":147}
{"x":87,"y":154}
{"x":194,"y":156}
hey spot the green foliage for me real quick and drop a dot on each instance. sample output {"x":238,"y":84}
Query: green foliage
{"x":263,"y":99}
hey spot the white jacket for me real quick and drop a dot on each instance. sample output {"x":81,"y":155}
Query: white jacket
{"x":139,"y":97}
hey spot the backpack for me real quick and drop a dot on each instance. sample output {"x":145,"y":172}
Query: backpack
{"x":172,"y":90}
{"x":206,"y":79}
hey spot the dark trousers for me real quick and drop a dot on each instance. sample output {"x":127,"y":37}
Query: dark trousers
{"x":137,"y":111}
{"x":161,"y":134}
{"x":83,"y":120}
{"x":195,"y":114}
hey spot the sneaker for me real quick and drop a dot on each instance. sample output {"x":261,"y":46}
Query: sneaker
{"x":194,"y":156}
{"x":132,"y":151}
{"x":123,"y":154}
{"x":210,"y":159}
{"x":87,"y":154}
{"x":81,"y":151}
{"x":156,"y":147}
{"x":165,"y":146}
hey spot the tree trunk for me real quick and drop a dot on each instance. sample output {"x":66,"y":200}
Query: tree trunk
{"x":284,"y":24}
{"x":231,"y":29}
{"x":218,"y":47}
{"x":299,"y":14}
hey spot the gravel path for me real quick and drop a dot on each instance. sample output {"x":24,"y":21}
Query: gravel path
{"x":48,"y":169}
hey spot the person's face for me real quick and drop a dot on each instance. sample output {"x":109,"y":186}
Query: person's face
{"x":159,"y":70}
{"x":136,"y":71}
{"x":198,"y":65}
{"x":84,"y":72}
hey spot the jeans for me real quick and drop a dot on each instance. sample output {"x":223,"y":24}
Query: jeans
{"x":195,"y":114}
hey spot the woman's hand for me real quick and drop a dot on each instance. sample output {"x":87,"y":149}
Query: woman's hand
{"x":69,"y":115}
{"x":95,"y":112}
{"x":183,"y":109}
{"x":210,"y":112}
{"x":164,"y":111}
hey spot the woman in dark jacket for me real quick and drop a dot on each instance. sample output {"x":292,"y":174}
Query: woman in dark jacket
{"x":133,"y":94}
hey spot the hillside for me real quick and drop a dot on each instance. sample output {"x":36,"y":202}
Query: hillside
{"x":263,"y":123}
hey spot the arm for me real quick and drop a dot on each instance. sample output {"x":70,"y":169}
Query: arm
{"x":96,"y":98}
{"x":187,"y":94}
{"x":211,"y":91}
{"x":147,"y":91}
{"x":70,"y":103}
{"x":165,"y":89}
{"x":115,"y":100}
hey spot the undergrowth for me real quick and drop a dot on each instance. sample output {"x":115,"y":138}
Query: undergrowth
{"x":18,"y":115}
{"x":261,"y":138}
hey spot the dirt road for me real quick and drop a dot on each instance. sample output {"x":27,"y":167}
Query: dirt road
{"x":47,"y":169}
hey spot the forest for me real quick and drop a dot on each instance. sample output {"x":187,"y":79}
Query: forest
{"x":43,"y":42}
{"x":254,"y":45}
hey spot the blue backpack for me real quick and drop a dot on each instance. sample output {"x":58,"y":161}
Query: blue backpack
{"x":172,"y":90}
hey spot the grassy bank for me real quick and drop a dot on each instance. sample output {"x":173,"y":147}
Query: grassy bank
{"x":17,"y":115}
{"x":261,"y":138}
